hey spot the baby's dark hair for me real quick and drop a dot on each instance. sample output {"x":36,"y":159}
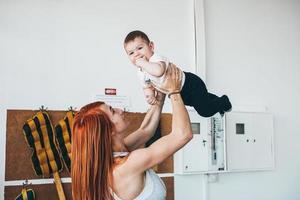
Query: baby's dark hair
{"x":134,"y":34}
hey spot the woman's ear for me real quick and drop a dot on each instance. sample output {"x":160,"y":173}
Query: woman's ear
{"x":113,"y":133}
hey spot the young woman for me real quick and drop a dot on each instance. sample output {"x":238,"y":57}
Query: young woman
{"x":106,"y":165}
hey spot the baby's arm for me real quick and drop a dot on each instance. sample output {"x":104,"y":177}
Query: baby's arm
{"x":154,"y":68}
{"x":149,"y":93}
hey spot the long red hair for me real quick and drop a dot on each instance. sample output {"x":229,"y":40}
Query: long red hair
{"x":92,"y":158}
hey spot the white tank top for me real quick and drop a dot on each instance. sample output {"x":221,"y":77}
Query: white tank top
{"x":154,"y":187}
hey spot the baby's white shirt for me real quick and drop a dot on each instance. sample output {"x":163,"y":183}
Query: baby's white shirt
{"x":147,"y":78}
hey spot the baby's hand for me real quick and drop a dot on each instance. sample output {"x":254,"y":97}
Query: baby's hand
{"x":150,"y":95}
{"x":151,"y":100}
{"x":140,"y":61}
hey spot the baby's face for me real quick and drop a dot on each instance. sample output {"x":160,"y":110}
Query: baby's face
{"x":139,"y":48}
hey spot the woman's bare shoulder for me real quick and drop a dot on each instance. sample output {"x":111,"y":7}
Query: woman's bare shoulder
{"x":125,"y":180}
{"x":127,"y":165}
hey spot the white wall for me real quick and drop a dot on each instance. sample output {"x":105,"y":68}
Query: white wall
{"x":253,"y":55}
{"x":62,"y":53}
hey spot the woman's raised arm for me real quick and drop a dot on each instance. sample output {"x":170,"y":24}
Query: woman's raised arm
{"x":138,"y":138}
{"x":142,"y":159}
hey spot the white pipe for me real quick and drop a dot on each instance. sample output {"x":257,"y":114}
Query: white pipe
{"x":35,"y":181}
{"x":200,"y":44}
{"x":51,"y":180}
{"x":205,"y":187}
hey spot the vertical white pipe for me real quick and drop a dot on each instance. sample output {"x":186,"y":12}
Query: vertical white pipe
{"x":205,"y":187}
{"x":200,"y":45}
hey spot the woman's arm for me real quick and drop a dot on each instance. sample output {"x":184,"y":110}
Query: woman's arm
{"x":142,"y":159}
{"x":138,"y":138}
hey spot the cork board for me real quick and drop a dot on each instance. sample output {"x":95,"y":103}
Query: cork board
{"x":18,"y":164}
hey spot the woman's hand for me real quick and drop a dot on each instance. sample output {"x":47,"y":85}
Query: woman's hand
{"x":172,"y":82}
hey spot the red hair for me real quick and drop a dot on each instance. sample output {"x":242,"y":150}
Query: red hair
{"x":92,"y":158}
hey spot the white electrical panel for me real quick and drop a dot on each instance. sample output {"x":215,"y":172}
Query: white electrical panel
{"x":249,"y":141}
{"x":216,"y":136}
{"x":205,"y":152}
{"x":238,"y":141}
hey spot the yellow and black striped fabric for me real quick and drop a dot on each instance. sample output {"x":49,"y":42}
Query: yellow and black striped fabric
{"x":63,"y":136}
{"x":38,"y":133}
{"x":26,"y":194}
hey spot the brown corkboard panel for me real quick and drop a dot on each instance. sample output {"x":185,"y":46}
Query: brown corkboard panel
{"x":18,"y":164}
{"x":48,"y":191}
{"x":42,"y":192}
{"x":169,"y":182}
{"x":166,"y":127}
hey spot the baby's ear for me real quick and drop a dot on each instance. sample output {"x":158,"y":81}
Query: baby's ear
{"x":151,"y":45}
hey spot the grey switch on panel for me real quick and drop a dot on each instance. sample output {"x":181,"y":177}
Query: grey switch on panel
{"x":240,"y":128}
{"x":195,"y":128}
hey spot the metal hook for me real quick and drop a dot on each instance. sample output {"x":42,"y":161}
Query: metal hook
{"x":25,"y":184}
{"x":43,"y":108}
{"x":72,"y":109}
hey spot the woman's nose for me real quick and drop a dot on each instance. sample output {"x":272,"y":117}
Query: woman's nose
{"x":120,"y":111}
